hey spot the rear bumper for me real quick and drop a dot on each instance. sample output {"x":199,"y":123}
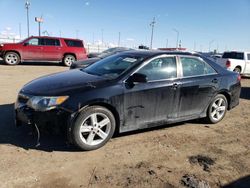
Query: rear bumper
{"x":235,"y":95}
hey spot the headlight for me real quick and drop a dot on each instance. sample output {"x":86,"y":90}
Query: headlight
{"x":39,"y":103}
{"x":1,"y":45}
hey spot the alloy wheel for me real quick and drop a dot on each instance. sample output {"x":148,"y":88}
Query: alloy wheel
{"x":95,"y":129}
{"x":218,"y":109}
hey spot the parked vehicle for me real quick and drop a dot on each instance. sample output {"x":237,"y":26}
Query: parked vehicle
{"x":129,"y":91}
{"x":236,"y":61}
{"x":107,"y":53}
{"x":43,"y":49}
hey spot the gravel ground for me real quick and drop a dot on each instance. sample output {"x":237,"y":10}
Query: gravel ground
{"x":181,"y":155}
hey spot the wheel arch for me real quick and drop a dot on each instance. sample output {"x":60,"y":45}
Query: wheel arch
{"x":15,"y":51}
{"x":69,"y":53}
{"x":105,"y":104}
{"x":228,"y":97}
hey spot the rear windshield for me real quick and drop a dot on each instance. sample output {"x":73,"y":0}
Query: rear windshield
{"x":233,"y":55}
{"x":74,"y":43}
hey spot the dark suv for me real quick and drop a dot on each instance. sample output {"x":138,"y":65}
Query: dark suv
{"x":43,"y":49}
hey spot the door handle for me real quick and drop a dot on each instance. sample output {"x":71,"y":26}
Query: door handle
{"x":175,"y":85}
{"x":215,"y":81}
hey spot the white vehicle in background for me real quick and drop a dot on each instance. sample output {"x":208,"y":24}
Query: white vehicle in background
{"x":236,"y":61}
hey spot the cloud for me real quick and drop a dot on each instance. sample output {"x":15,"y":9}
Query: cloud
{"x":87,"y":3}
{"x":130,"y":39}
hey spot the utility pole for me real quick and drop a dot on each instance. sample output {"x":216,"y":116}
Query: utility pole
{"x":119,"y":39}
{"x":152,"y":24}
{"x":27,"y":5}
{"x":20,"y":30}
{"x":102,"y":36}
{"x":77,"y":31}
{"x":177,"y":37}
{"x":209,"y":45}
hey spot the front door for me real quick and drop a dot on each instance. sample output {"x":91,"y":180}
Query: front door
{"x":154,"y":102}
{"x":33,"y":50}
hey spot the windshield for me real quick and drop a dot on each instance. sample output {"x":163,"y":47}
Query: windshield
{"x":113,"y":66}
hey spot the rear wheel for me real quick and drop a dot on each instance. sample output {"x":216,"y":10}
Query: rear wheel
{"x":93,"y":128}
{"x":11,"y":58}
{"x":68,"y":60}
{"x":237,"y":69}
{"x":217,"y":109}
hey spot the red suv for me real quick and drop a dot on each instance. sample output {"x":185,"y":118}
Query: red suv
{"x":49,"y":49}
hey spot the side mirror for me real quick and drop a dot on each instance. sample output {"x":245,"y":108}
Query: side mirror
{"x":138,"y":78}
{"x":25,"y":44}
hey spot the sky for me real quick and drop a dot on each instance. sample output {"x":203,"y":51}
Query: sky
{"x":218,"y":24}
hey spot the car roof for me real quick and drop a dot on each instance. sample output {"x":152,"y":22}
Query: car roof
{"x":48,"y":37}
{"x":151,"y":53}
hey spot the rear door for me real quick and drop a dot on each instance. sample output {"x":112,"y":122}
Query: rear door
{"x":33,"y":50}
{"x":198,"y":85}
{"x":52,"y":49}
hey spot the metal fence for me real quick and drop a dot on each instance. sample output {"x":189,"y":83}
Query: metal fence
{"x":9,"y":40}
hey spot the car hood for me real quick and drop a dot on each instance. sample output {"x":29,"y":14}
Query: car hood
{"x":63,"y":83}
{"x":84,"y":63}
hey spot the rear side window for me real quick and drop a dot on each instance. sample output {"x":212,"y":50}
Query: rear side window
{"x":195,"y":67}
{"x":74,"y":43}
{"x":51,"y":42}
{"x":248,"y":56}
{"x":233,"y":55}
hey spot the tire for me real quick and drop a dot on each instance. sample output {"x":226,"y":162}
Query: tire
{"x":217,"y":109}
{"x":93,"y":128}
{"x":238,"y":70}
{"x":11,"y":58}
{"x":68,"y":60}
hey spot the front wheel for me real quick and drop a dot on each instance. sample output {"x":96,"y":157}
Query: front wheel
{"x":217,"y":109}
{"x":93,"y":128}
{"x":11,"y":58}
{"x":68,"y":60}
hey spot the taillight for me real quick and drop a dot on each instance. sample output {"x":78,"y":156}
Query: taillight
{"x":228,"y":63}
{"x":239,"y":77}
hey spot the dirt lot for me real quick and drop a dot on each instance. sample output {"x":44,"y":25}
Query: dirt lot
{"x":171,"y":156}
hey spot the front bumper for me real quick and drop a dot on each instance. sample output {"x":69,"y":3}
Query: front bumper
{"x":53,"y":121}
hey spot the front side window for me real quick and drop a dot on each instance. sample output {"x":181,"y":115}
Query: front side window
{"x":160,"y":69}
{"x":195,"y":67}
{"x":34,"y":42}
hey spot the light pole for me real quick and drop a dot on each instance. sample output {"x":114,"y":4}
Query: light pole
{"x":167,"y":43}
{"x":102,"y":37}
{"x":177,"y":37}
{"x":39,"y":21}
{"x":27,"y":5}
{"x":152,"y":24}
{"x":119,"y":39}
{"x":210,"y":43}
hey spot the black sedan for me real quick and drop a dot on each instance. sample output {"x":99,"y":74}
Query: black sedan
{"x":98,"y":56}
{"x":128,"y":91}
